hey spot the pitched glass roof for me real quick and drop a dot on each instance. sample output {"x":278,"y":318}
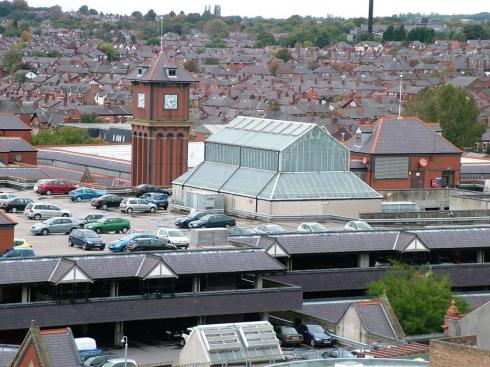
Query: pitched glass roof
{"x":260,"y":133}
{"x":210,"y":175}
{"x":248,"y":181}
{"x":317,"y":185}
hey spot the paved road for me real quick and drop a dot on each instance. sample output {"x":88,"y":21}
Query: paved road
{"x":57,"y":244}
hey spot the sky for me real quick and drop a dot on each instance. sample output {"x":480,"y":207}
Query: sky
{"x":279,"y":8}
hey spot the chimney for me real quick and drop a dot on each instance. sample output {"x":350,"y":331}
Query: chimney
{"x":451,"y":314}
{"x":358,"y":134}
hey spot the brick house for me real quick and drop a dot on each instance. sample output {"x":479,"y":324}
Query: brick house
{"x":404,"y":154}
{"x":12,"y":126}
{"x":17,"y":150}
{"x":7,"y":224}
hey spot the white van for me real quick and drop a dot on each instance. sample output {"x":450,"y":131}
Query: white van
{"x":399,"y":207}
{"x":85,"y":344}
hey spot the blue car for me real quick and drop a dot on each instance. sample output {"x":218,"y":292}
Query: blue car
{"x":84,"y":193}
{"x":159,"y":199}
{"x":120,"y":244}
{"x":315,"y":335}
{"x":16,"y":253}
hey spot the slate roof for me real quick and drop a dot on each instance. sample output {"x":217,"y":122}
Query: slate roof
{"x":16,"y":145}
{"x":61,"y":348}
{"x":405,"y":136}
{"x":7,"y":354}
{"x":8,"y":121}
{"x":331,"y":311}
{"x":374,"y":319}
{"x":44,"y":269}
{"x":157,"y":72}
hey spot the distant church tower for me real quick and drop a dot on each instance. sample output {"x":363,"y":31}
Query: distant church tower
{"x":160,"y":125}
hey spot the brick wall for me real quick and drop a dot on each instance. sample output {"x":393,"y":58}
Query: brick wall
{"x":455,"y":352}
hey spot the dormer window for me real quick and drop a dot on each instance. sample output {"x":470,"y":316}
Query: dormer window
{"x":140,"y":71}
{"x":172,"y":73}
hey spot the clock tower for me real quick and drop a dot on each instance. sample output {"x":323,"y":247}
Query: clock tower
{"x":160,"y":125}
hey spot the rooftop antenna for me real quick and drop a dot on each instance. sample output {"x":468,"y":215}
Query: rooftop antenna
{"x":400,"y":101}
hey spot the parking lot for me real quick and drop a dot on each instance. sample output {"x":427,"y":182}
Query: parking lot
{"x":57,"y":244}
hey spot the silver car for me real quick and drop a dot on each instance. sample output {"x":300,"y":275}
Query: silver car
{"x":89,"y":218}
{"x":55,"y":225}
{"x":130,"y":205}
{"x":43,"y":211}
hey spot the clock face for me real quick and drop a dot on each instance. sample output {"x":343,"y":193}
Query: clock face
{"x":141,"y":100}
{"x":171,"y":101}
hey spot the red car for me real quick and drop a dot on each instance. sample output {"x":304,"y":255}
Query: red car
{"x":49,"y":187}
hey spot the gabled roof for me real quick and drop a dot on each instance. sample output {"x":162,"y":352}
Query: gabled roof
{"x":408,"y":135}
{"x":8,"y":121}
{"x":153,"y":267}
{"x":374,"y":319}
{"x":261,"y":133}
{"x":67,"y":271}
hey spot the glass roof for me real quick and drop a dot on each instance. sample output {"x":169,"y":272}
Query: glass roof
{"x":210,"y":175}
{"x":248,"y":181}
{"x":317,"y":185}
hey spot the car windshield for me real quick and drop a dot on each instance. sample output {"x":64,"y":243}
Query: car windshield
{"x":315,"y":329}
{"x":364,"y":226}
{"x":289,"y":330}
{"x":7,"y":251}
{"x":318,"y":227}
{"x":246,"y":231}
{"x":90,"y":234}
{"x":206,"y":217}
{"x":175,"y":234}
{"x":275,"y":228}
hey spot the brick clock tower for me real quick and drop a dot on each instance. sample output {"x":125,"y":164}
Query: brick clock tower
{"x":160,"y":125}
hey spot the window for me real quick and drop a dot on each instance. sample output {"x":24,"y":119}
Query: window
{"x":141,"y":100}
{"x":18,"y":157}
{"x":390,"y":167}
{"x":172,"y":72}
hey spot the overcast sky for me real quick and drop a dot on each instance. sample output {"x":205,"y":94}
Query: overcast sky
{"x":279,"y":8}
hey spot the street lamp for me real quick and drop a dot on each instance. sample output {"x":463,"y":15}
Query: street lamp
{"x":124,"y":340}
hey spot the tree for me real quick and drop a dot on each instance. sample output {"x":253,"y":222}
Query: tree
{"x":454,"y":108}
{"x":425,"y":35}
{"x":216,"y":28}
{"x":137,"y":15}
{"x":389,"y":34}
{"x":108,"y":50}
{"x":11,"y":60}
{"x":475,"y":32}
{"x":55,"y":12}
{"x":63,"y":136}
{"x":83,"y":10}
{"x":25,"y":36}
{"x":211,"y":61}
{"x":93,"y":12}
{"x":192,"y":66}
{"x":459,"y":36}
{"x":89,"y":118}
{"x":5,"y":8}
{"x":216,"y":43}
{"x":20,"y":5}
{"x":274,"y":67}
{"x":20,"y":77}
{"x":265,"y":39}
{"x":419,"y":298}
{"x":151,"y":15}
{"x":282,"y":54}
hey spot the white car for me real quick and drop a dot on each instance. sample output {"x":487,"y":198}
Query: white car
{"x":119,"y":362}
{"x":270,"y":228}
{"x":312,"y":227}
{"x":357,"y":225}
{"x":174,"y":237}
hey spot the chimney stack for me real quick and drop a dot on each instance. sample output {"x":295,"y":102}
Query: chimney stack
{"x":370,"y":17}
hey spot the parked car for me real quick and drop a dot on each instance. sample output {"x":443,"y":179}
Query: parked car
{"x":96,"y":361}
{"x":120,"y":244}
{"x":49,"y":187}
{"x":109,"y":224}
{"x":144,"y":188}
{"x":106,"y":201}
{"x":270,"y":228}
{"x":14,"y":205}
{"x":241,"y":231}
{"x":338,"y":353}
{"x":43,"y":211}
{"x":4,"y":196}
{"x":86,"y":239}
{"x":288,"y":336}
{"x":312,"y":227}
{"x":17,"y":252}
{"x":357,"y":225}
{"x":130,"y":205}
{"x":183,"y":222}
{"x":84,"y":193}
{"x":89,"y":218}
{"x":213,"y":221}
{"x":119,"y":362}
{"x":315,"y":335}
{"x":39,"y":183}
{"x":149,"y":244}
{"x":55,"y":225}
{"x":159,"y":199}
{"x":174,"y":237}
{"x":21,"y":243}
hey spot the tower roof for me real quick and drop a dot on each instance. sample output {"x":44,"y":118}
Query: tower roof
{"x":161,"y":70}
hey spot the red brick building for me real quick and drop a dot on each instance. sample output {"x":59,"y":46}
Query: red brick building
{"x":7,"y":224}
{"x":161,"y":122}
{"x":404,"y":154}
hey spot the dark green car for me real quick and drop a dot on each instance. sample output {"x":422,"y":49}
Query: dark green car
{"x":213,"y":221}
{"x":109,"y":224}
